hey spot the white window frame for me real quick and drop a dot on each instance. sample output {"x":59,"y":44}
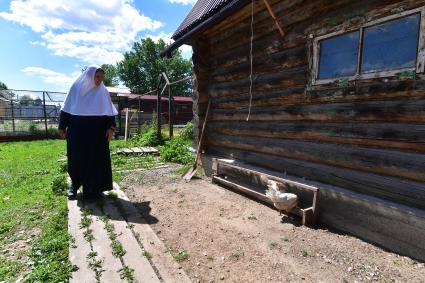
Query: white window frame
{"x":420,"y":61}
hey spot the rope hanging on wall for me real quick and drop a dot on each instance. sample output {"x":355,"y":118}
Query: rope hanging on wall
{"x":250,"y":58}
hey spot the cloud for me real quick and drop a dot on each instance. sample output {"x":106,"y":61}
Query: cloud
{"x":184,"y":2}
{"x":41,"y":43}
{"x":92,"y":31}
{"x":185,"y":49}
{"x":52,"y":77}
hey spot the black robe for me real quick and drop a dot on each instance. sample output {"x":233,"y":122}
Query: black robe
{"x":89,"y":161}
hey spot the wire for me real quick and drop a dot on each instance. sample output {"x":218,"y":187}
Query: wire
{"x":250,"y":58}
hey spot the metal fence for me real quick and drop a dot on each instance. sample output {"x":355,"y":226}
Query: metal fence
{"x":29,"y":113}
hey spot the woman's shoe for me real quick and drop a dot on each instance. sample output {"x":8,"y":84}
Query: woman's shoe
{"x":72,"y":193}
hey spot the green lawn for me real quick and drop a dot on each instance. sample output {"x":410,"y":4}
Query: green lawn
{"x":33,"y":217}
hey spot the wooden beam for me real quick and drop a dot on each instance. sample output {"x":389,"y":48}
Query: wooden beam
{"x":269,"y":8}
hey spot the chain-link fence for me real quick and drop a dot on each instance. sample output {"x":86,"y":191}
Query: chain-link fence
{"x":29,"y":113}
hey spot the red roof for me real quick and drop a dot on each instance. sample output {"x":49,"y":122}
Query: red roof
{"x":176,"y":98}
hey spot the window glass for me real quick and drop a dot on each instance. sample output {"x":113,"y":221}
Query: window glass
{"x":391,"y":45}
{"x":339,"y":56}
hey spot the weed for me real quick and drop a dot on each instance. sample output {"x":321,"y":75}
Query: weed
{"x":285,"y":239}
{"x":304,"y":253}
{"x":273,"y":245}
{"x":181,"y":256}
{"x":252,"y":217}
{"x":237,"y":255}
{"x":127,"y":273}
{"x":147,"y":254}
{"x":59,"y":185}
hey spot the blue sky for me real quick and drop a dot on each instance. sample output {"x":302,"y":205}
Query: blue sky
{"x":44,"y":43}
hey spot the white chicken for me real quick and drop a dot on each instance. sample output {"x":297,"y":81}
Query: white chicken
{"x":281,"y":198}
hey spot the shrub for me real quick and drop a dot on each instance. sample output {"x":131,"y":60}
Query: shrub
{"x":147,"y":136}
{"x":59,"y":185}
{"x":177,"y":150}
{"x":187,"y":132}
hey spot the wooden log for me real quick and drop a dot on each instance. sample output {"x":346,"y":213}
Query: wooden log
{"x":400,"y":111}
{"x":379,"y":161}
{"x":299,"y":95}
{"x":380,"y":135}
{"x":390,"y":188}
{"x":278,"y":80}
{"x":287,"y":59}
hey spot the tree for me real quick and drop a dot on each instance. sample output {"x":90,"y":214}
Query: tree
{"x":26,"y":100}
{"x":141,"y":66}
{"x":111,"y":74}
{"x":38,"y":101}
{"x":3,"y":86}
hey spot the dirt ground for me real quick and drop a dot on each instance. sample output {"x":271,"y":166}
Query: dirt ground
{"x":228,"y":237}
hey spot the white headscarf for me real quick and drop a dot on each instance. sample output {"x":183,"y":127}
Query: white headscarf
{"x":86,"y":99}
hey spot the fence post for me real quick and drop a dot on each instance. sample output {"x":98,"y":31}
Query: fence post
{"x":138,"y":116}
{"x":126,"y":124}
{"x":45,"y":114}
{"x":13,"y":115}
{"x":158,"y":113}
{"x":170,"y":111}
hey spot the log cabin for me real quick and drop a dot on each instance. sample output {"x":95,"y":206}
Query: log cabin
{"x":329,"y":93}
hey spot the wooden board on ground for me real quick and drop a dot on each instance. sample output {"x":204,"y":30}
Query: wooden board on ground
{"x":102,"y":245}
{"x":133,"y":258}
{"x":137,"y":150}
{"x":168,"y":269}
{"x":79,"y":248}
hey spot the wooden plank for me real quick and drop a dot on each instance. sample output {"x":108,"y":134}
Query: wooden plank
{"x":137,"y":150}
{"x":133,"y":258}
{"x":169,"y":270}
{"x":406,"y":110}
{"x":101,"y":244}
{"x":379,"y":135}
{"x":78,"y":250}
{"x":127,"y":151}
{"x":385,"y":162}
{"x":390,"y":188}
{"x":361,"y":92}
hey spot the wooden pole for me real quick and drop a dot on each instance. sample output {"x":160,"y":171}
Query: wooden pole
{"x":119,"y":115}
{"x":126,"y":124}
{"x":138,"y":116}
{"x":158,"y":115}
{"x":276,"y":22}
{"x":170,"y":111}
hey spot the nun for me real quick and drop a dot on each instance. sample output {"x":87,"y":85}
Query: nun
{"x":87,"y":120}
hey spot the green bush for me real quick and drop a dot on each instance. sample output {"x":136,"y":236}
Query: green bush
{"x":147,"y":136}
{"x":59,"y":185}
{"x":187,"y":132}
{"x":33,"y":128}
{"x":177,"y":151}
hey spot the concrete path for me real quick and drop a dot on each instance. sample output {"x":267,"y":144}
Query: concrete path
{"x":111,"y":242}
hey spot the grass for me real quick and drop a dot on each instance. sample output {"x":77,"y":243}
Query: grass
{"x":147,"y":254}
{"x":127,"y":273}
{"x":33,"y":211}
{"x":181,"y":256}
{"x":29,"y":206}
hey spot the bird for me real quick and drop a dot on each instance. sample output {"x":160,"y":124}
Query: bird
{"x":282,"y":199}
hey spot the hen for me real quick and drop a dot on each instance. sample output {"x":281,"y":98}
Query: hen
{"x":281,"y":198}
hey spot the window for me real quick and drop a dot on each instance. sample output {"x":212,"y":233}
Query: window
{"x":378,"y":49}
{"x":391,"y":45}
{"x":339,"y":55}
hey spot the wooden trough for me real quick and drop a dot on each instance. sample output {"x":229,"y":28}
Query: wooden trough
{"x":253,"y":183}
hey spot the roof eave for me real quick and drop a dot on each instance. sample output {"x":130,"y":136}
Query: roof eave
{"x":183,"y":39}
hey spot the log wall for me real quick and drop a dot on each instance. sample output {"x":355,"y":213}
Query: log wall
{"x":367,"y":136}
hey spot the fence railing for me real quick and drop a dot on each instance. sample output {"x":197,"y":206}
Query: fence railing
{"x":26,"y":112}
